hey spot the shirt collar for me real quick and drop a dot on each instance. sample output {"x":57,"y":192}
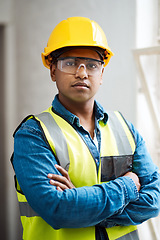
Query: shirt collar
{"x":100,"y":113}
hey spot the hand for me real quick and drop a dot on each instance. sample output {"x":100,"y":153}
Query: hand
{"x":135,"y":178}
{"x":61,"y":182}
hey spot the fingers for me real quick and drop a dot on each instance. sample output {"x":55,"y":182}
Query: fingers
{"x":135,"y":178}
{"x":61,"y":182}
{"x":55,"y":179}
{"x":62,"y":171}
{"x":60,"y":186}
{"x":65,"y":175}
{"x":59,"y":189}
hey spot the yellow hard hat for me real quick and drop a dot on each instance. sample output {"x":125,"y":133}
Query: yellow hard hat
{"x":76,"y":32}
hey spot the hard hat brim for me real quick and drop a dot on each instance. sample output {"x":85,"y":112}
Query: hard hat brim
{"x":106,"y":59}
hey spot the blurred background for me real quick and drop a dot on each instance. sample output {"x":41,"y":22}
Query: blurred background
{"x":131,"y":81}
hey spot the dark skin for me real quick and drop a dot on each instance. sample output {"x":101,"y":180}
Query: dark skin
{"x":76,"y":93}
{"x":63,"y":182}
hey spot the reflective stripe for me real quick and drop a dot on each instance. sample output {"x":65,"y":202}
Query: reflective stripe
{"x":64,"y":141}
{"x":122,"y":141}
{"x":57,"y":137}
{"x":26,"y":210}
{"x":130,"y":236}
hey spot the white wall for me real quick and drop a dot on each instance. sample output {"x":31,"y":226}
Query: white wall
{"x":146,"y":36}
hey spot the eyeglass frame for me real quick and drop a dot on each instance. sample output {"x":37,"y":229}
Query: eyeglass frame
{"x":78,"y":67}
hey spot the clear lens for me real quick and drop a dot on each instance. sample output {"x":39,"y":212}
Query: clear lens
{"x":72,"y":64}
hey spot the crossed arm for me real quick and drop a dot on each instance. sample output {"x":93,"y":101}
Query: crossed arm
{"x":125,"y":217}
{"x":63,"y":181}
{"x":115,"y":202}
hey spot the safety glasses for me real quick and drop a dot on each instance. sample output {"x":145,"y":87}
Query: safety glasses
{"x":72,"y":64}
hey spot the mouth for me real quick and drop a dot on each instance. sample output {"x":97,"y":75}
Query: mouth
{"x":80,"y":85}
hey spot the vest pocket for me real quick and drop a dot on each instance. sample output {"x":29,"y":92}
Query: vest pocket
{"x":113,"y":167}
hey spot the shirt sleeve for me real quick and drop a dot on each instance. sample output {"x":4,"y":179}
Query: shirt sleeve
{"x":148,"y":204}
{"x":72,"y":208}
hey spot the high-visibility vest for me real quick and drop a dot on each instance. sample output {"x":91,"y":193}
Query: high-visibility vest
{"x":117,"y":150}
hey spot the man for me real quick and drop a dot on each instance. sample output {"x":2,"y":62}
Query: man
{"x":81,"y":172}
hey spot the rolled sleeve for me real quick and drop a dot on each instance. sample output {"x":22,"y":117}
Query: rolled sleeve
{"x":147,"y":205}
{"x":72,"y":208}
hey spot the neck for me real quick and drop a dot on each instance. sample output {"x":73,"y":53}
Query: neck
{"x":76,"y":107}
{"x":84,"y":111}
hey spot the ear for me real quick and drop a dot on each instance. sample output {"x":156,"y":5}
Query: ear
{"x":101,"y":77}
{"x":53,"y":72}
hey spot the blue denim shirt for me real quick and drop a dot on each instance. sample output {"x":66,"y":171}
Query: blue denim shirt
{"x":114,"y":203}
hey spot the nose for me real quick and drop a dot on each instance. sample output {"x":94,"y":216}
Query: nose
{"x":81,"y":71}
